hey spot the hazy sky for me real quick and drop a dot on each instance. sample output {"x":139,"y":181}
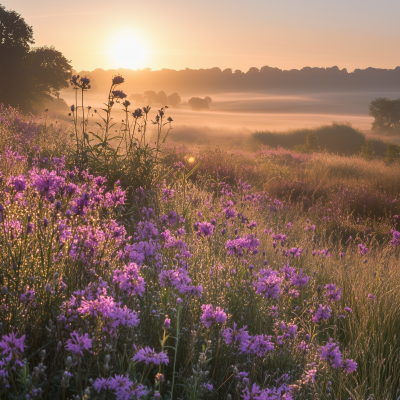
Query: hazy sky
{"x":233,"y":34}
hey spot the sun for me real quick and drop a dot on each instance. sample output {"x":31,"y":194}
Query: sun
{"x":128,"y":52}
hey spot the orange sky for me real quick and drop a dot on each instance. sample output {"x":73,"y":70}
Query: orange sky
{"x":235,"y":34}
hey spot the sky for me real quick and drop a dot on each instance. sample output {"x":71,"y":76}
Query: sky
{"x":237,"y":34}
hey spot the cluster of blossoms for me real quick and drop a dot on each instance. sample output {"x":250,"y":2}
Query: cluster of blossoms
{"x":331,"y":353}
{"x":12,"y":350}
{"x":248,"y":244}
{"x":149,"y":356}
{"x":268,"y":284}
{"x":258,"y":345}
{"x":94,"y":302}
{"x":322,"y":313}
{"x":180,"y":280}
{"x":333,"y":293}
{"x":396,"y":238}
{"x":255,"y":393}
{"x":204,"y":229}
{"x":122,"y":387}
{"x":78,"y":343}
{"x":210,"y":315}
{"x":129,"y":280}
{"x":363,"y":249}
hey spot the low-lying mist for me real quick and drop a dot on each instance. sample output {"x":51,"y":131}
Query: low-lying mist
{"x":233,"y":118}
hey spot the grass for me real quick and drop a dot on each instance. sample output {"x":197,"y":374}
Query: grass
{"x":85,"y":232}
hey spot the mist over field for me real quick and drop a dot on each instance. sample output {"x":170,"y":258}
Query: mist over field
{"x":250,"y":111}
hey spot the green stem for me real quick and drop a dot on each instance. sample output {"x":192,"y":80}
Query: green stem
{"x":176,"y":351}
{"x":79,"y":376}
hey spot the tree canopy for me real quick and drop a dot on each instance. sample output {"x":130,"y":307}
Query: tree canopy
{"x":197,"y":103}
{"x":386,"y":113}
{"x":28,"y":76}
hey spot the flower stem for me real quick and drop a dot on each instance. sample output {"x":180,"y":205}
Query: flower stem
{"x":176,"y":351}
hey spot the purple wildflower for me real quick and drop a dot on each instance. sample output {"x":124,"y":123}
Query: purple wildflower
{"x":349,"y":366}
{"x":209,"y":315}
{"x":117,"y":80}
{"x":205,"y":229}
{"x":129,"y":279}
{"x":149,"y":356}
{"x":78,"y":343}
{"x":118,"y":94}
{"x":323,"y":312}
{"x":12,"y":347}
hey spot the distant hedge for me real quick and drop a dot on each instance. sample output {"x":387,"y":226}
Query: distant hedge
{"x":338,"y":138}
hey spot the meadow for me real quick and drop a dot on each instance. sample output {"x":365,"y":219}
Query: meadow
{"x":138,"y":267}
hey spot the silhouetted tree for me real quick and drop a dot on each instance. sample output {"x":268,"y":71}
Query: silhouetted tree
{"x":137,"y":98}
{"x":197,"y":104}
{"x":208,"y":99}
{"x":28,"y":77}
{"x":386,"y":113}
{"x":150,"y":96}
{"x":162,"y":98}
{"x":174,"y":99}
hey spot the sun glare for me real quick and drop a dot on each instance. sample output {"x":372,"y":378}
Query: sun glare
{"x":128,"y":52}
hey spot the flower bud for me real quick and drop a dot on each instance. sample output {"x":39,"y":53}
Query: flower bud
{"x":167,"y":324}
{"x":48,"y":288}
{"x":4,"y":289}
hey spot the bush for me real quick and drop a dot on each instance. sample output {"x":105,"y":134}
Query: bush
{"x":392,"y":153}
{"x":311,"y":145}
{"x":368,"y":150}
{"x":336,"y":138}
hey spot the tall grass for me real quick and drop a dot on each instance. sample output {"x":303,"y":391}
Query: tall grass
{"x":151,"y":284}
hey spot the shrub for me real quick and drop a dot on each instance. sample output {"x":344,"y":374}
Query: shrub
{"x":392,"y":153}
{"x":337,"y":138}
{"x":310,"y":146}
{"x":368,"y":150}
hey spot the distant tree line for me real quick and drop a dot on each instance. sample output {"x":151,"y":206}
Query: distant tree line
{"x":215,"y":80}
{"x":29,"y":77}
{"x":160,"y":98}
{"x":173,"y":100}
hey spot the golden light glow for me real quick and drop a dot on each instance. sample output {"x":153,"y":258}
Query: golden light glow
{"x":191,"y":159}
{"x":128,"y":51}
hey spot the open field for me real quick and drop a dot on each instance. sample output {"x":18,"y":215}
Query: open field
{"x":182,"y":271}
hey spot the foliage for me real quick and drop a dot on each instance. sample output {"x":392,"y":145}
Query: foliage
{"x":28,"y":77}
{"x":338,"y":138}
{"x":392,"y":153}
{"x":198,"y":104}
{"x":310,"y":146}
{"x":368,"y":150}
{"x":386,"y":113}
